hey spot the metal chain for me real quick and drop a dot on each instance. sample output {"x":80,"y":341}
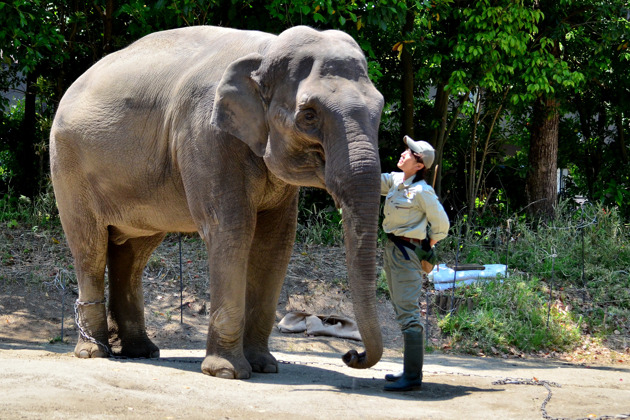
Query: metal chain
{"x":172,"y":360}
{"x":85,"y":335}
{"x":543,"y":407}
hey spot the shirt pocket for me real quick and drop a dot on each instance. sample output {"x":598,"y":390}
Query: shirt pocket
{"x":404,"y":200}
{"x":404,"y":208}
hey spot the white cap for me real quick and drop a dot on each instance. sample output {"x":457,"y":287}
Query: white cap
{"x":422,"y":148}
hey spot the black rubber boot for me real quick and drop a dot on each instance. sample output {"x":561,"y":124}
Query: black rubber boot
{"x":392,"y":377}
{"x":412,"y":364}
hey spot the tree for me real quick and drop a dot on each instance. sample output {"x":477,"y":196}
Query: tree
{"x":597,"y":40}
{"x":407,"y":86}
{"x":585,"y":38}
{"x":478,"y":47}
{"x":30,"y":42}
{"x":46,"y":45}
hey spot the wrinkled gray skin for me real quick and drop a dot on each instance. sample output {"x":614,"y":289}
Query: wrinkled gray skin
{"x":213,"y":130}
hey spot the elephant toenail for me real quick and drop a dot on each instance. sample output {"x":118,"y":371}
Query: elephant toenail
{"x":270,"y":369}
{"x":225,"y":374}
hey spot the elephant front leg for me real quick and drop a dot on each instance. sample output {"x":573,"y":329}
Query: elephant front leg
{"x":224,"y":347}
{"x":268,"y":261}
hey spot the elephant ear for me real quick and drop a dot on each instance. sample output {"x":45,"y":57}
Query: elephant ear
{"x":239,"y":108}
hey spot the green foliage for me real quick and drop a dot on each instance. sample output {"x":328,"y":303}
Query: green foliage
{"x":359,"y":19}
{"x":510,"y":313}
{"x":38,"y":213}
{"x":590,"y":230}
{"x":595,"y":163}
{"x":319,"y":222}
{"x":146,"y":17}
{"x":57,"y":339}
{"x":382,"y":288}
{"x":514,"y":53}
{"x":320,"y":226}
{"x":29,"y":34}
{"x":11,"y":135}
{"x":9,"y":124}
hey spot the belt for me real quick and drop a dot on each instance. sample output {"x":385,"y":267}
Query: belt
{"x":403,"y":242}
{"x":412,"y":240}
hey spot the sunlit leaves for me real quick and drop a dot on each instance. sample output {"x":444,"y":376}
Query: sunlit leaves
{"x":29,"y":30}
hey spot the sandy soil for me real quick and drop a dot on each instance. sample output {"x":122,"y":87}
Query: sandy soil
{"x":40,"y":378}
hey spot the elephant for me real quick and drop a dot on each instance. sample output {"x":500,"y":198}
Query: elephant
{"x":213,"y":130}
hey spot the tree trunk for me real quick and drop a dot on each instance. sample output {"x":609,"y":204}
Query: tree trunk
{"x":621,"y":138}
{"x":26,"y":181}
{"x":108,"y":20}
{"x":406,"y":62}
{"x":585,"y":114}
{"x":441,"y":134}
{"x":471,"y":193}
{"x":541,"y":184}
{"x":440,"y":113}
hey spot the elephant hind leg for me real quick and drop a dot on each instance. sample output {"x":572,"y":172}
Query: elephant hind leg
{"x":126,"y":262}
{"x":88,"y":244}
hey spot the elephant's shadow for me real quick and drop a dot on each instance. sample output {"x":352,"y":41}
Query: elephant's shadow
{"x":302,"y":374}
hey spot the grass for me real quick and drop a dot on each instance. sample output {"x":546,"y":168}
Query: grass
{"x":320,"y":226}
{"x":382,"y":289}
{"x":58,"y":339}
{"x":508,"y":314}
{"x":38,"y":213}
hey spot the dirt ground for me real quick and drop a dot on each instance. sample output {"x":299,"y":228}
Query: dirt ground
{"x":40,"y":378}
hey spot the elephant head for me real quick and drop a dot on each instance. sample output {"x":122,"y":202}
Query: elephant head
{"x":305,"y":104}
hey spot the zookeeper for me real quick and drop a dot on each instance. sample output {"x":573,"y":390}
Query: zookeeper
{"x":414,"y":222}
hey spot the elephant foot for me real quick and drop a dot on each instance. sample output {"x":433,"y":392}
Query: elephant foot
{"x":262,"y":362}
{"x":88,"y":350}
{"x":223,"y":368}
{"x":136,"y":349}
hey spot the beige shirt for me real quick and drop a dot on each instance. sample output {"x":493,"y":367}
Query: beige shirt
{"x":411,"y":208}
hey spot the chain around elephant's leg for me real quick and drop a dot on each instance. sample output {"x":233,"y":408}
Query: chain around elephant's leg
{"x":91,"y":344}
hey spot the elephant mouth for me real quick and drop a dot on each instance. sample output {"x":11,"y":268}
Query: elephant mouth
{"x":319,"y":169}
{"x":310,"y":167}
{"x":312,"y":177}
{"x":320,"y":172}
{"x":304,"y":170}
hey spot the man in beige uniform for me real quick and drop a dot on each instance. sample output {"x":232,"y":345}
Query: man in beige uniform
{"x":413,"y":215}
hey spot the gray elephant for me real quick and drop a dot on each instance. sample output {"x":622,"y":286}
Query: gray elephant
{"x":213,"y":130}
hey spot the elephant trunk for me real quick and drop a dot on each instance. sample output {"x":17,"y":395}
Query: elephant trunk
{"x":355,"y":185}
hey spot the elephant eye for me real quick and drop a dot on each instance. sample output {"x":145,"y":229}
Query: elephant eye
{"x":309,"y":115}
{"x":307,"y":119}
